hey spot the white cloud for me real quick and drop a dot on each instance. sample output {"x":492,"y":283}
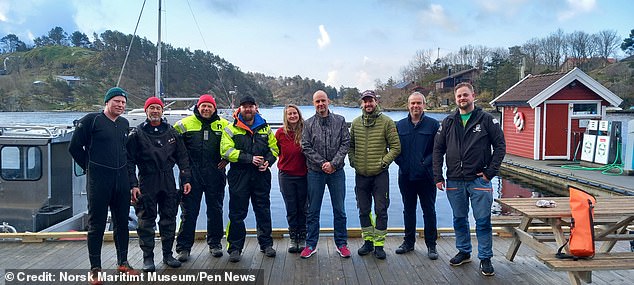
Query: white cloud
{"x":436,"y":15}
{"x":324,"y":38}
{"x":366,"y":60}
{"x":332,"y":78}
{"x":4,"y":8}
{"x":576,"y":7}
{"x":507,"y":7}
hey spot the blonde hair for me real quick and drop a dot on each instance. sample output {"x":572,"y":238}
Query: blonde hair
{"x":299,"y":127}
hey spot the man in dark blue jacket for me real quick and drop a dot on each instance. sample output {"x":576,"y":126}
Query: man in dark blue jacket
{"x":415,"y":175}
{"x":466,"y":139}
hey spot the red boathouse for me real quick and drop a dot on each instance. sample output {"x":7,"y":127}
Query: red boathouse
{"x":544,"y":116}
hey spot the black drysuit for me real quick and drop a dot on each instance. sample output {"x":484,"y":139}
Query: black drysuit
{"x":98,"y":147}
{"x":155,"y":151}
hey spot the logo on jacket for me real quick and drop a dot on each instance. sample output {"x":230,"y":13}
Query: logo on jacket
{"x":171,"y":140}
{"x":477,"y":128}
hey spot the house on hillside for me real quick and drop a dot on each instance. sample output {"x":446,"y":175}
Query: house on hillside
{"x":410,"y":86}
{"x":544,"y":116}
{"x":586,"y":63}
{"x":72,"y":81}
{"x":448,"y":82}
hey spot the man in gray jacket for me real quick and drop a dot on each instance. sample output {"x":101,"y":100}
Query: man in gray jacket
{"x":325,"y":143}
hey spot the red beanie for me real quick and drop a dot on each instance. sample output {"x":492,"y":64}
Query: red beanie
{"x":206,"y":98}
{"x":152,"y":100}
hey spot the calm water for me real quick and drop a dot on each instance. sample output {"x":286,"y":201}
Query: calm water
{"x":502,"y":187}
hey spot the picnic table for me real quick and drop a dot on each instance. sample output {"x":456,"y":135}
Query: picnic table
{"x":613,"y":215}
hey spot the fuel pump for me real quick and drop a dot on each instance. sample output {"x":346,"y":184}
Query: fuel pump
{"x":628,"y":164}
{"x":589,"y":141}
{"x":608,"y":140}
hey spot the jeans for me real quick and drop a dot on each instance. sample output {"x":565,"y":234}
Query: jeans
{"x":479,"y":192}
{"x":317,"y":182}
{"x":411,"y":192}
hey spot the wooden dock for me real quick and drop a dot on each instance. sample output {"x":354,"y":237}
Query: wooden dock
{"x":325,"y":267}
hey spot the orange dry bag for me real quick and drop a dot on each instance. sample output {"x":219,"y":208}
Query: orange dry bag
{"x":581,"y":241}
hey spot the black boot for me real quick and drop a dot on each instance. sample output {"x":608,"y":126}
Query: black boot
{"x":301,"y":240}
{"x":368,"y":246}
{"x":170,"y":261}
{"x":379,"y":252}
{"x":148,"y":264}
{"x":148,"y":261}
{"x":293,"y":246}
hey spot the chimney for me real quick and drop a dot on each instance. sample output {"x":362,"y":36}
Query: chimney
{"x":449,"y":71}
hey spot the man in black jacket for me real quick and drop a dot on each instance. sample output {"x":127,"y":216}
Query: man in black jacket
{"x":201,"y":133}
{"x":155,"y":147}
{"x":98,"y":147}
{"x":466,"y":138}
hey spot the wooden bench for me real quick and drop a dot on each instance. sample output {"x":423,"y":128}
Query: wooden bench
{"x":503,"y":226}
{"x":583,"y":268}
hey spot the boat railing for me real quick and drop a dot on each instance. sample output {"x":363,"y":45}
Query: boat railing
{"x":35,"y":131}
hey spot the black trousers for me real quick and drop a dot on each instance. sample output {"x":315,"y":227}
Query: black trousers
{"x":107,"y":187}
{"x":158,"y":190}
{"x":247,"y":183}
{"x":375,"y":187}
{"x":213,"y":187}
{"x":295,"y":193}
{"x":411,"y":192}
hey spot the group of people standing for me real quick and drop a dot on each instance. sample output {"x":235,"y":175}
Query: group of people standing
{"x":311,"y":156}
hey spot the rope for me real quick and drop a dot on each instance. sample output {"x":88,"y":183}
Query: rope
{"x":130,"y":46}
{"x":222,"y":84}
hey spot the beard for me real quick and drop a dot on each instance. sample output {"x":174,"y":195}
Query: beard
{"x":247,"y":116}
{"x":465,"y":105}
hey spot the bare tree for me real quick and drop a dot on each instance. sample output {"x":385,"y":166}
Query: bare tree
{"x":481,"y":54}
{"x":553,"y":49}
{"x":607,"y":41}
{"x":580,"y":44}
{"x":532,"y":51}
{"x":418,"y":66}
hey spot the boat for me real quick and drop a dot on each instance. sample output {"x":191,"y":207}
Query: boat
{"x":40,"y":183}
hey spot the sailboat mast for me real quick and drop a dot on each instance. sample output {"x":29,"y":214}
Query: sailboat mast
{"x":157,"y":73}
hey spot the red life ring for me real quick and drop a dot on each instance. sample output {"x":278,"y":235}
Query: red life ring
{"x":518,"y":121}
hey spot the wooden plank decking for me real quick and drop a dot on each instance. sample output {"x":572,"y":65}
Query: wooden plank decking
{"x":325,"y":267}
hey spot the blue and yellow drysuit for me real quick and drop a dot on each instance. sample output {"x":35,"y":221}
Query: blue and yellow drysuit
{"x":239,"y":144}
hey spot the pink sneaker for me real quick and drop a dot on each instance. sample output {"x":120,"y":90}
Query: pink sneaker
{"x":343,"y":251}
{"x":308,"y":252}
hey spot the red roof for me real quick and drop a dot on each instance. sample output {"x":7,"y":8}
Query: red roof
{"x":533,"y":90}
{"x":529,"y":87}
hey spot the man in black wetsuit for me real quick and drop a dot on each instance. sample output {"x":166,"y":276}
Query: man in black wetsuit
{"x":98,"y":147}
{"x":155,"y":147}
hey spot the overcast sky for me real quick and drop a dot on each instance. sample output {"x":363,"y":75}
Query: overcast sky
{"x":340,"y":42}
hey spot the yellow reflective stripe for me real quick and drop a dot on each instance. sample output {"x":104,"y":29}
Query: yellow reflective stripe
{"x":273,"y":143}
{"x":229,"y":132}
{"x":227,"y":154}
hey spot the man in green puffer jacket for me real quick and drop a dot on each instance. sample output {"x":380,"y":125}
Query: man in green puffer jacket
{"x":374,"y":144}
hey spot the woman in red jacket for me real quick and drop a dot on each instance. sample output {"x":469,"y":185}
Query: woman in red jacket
{"x":292,"y":176}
